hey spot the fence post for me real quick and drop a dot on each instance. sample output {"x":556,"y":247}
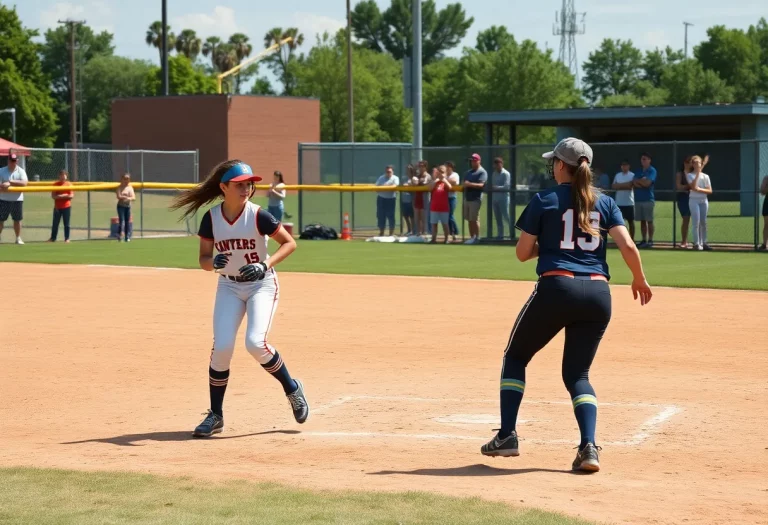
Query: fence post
{"x":512,"y":181}
{"x":352,"y":219}
{"x":341,"y":193}
{"x":88,"y":154}
{"x":757,"y":194}
{"x":674,"y":194}
{"x":141,"y":196}
{"x":301,"y":181}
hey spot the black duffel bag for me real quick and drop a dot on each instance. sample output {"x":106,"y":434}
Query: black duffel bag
{"x":316,"y":232}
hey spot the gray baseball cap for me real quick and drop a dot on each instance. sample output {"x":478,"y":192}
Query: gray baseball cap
{"x":570,"y":150}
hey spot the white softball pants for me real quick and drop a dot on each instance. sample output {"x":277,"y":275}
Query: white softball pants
{"x":234,"y":300}
{"x":699,"y":210}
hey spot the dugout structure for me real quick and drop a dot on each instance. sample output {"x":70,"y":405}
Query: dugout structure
{"x":264,"y":131}
{"x":734,"y":135}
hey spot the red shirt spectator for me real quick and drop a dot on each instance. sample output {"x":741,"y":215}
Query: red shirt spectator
{"x":62,"y":203}
{"x":440,"y":198}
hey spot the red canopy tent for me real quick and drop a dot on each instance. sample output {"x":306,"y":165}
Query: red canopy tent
{"x":6,"y":145}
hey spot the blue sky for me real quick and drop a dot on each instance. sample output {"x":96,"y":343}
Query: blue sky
{"x":649,"y":23}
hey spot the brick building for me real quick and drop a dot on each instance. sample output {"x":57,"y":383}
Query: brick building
{"x":264,"y":131}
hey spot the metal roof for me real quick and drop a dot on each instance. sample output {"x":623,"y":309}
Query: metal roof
{"x":553,"y":117}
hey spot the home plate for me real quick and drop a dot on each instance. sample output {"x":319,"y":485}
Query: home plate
{"x":473,"y":419}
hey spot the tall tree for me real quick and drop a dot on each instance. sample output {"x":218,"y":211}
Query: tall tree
{"x":209,"y":49}
{"x":493,"y":39}
{"x":612,"y":69}
{"x":392,"y":31}
{"x":105,"y":78}
{"x":242,"y":49}
{"x":23,"y":85}
{"x":188,"y":44}
{"x":442,"y":96}
{"x":183,"y":78}
{"x":656,"y":61}
{"x":56,"y":63}
{"x":689,"y":83}
{"x":735,"y":57}
{"x":154,"y":37}
{"x":282,"y":61}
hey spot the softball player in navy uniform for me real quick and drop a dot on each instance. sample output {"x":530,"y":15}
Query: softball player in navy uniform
{"x":566,"y":227}
{"x":248,"y":284}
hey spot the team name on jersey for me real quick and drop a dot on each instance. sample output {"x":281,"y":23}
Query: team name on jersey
{"x":235,"y":244}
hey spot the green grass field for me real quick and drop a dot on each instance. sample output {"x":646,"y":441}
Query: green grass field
{"x":736,"y":270}
{"x":63,"y":497}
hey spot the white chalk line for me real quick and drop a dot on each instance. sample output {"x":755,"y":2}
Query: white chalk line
{"x":647,"y":428}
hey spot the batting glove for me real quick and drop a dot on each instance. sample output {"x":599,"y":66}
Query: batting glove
{"x":220,"y":261}
{"x":253,"y":272}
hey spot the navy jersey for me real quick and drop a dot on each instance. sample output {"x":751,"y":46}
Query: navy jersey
{"x":562,"y":245}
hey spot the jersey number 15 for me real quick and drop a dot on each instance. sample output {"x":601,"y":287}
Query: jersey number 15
{"x":569,"y":230}
{"x":252,"y":258}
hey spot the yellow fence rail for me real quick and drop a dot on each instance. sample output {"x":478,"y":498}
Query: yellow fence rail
{"x":43,"y":186}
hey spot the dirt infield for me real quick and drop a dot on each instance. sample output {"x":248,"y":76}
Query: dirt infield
{"x":106,"y":368}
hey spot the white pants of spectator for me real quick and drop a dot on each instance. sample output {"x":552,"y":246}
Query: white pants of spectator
{"x":699,"y":210}
{"x":501,"y":212}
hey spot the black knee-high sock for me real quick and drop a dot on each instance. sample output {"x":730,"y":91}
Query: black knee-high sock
{"x":585,"y":410}
{"x":217,"y":382}
{"x":277,"y":368}
{"x":512,"y":388}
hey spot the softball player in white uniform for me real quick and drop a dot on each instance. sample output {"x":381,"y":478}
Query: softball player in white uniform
{"x":240,"y":231}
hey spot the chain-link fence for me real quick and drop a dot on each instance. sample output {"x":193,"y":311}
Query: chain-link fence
{"x":736,"y":169}
{"x":94,"y":213}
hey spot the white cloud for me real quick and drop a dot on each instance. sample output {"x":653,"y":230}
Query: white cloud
{"x":221,"y":23}
{"x":310,"y":25}
{"x":96,"y":14}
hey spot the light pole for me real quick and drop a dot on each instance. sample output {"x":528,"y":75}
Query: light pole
{"x":350,"y":102}
{"x":686,"y":24}
{"x":12,"y":111}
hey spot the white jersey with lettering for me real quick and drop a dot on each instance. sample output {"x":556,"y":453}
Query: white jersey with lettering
{"x":246,"y":240}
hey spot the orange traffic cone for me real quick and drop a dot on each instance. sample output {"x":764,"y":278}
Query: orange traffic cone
{"x":346,"y":234}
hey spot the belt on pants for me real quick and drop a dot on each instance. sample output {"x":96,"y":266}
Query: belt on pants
{"x":565,"y":273}
{"x":236,"y":279}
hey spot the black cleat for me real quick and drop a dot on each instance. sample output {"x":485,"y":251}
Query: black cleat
{"x":299,"y":403}
{"x":212,"y":424}
{"x":501,"y":447}
{"x":587,"y":459}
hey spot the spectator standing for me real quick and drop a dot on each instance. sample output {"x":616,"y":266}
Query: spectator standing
{"x":406,"y":201}
{"x":439,"y":208}
{"x":602,"y":179}
{"x":645,"y":200}
{"x":683,"y":193}
{"x":502,"y":184}
{"x":764,"y":193}
{"x":453,"y":178}
{"x":385,"y":202}
{"x":474,"y":182}
{"x":11,"y":202}
{"x":625,"y":195}
{"x":421,"y":201}
{"x":701,"y":186}
{"x":125,"y":196}
{"x":276,"y":196}
{"x":62,"y":206}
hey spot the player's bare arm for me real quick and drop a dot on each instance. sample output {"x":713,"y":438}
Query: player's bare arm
{"x":631,"y":255}
{"x":205,"y":257}
{"x":527,"y":248}
{"x":287,"y":246}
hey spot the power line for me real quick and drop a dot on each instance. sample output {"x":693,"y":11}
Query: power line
{"x":567,"y":27}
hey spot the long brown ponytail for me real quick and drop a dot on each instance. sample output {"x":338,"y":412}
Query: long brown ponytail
{"x":584,"y":197}
{"x":205,"y":192}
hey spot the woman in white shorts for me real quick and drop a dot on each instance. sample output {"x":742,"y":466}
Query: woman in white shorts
{"x":701,"y":186}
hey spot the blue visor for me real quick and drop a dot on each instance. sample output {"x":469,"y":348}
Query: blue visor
{"x":240,"y":172}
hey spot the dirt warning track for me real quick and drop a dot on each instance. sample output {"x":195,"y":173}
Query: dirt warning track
{"x":106,"y":368}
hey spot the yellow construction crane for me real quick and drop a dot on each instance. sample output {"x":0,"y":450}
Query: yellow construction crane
{"x":251,"y":60}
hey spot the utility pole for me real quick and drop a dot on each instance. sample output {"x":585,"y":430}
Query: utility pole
{"x":686,"y":24}
{"x":350,"y":101}
{"x":164,"y":61}
{"x":567,"y":27}
{"x":416,"y":79}
{"x":72,"y":24}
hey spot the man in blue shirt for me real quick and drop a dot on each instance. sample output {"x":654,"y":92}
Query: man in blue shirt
{"x":644,"y":182}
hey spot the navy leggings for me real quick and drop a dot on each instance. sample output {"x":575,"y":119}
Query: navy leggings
{"x":124,"y":216}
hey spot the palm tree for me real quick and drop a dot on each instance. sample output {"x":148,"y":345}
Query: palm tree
{"x":155,"y":37}
{"x":209,"y":48}
{"x":279,"y":61}
{"x":242,"y":49}
{"x":188,"y":44}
